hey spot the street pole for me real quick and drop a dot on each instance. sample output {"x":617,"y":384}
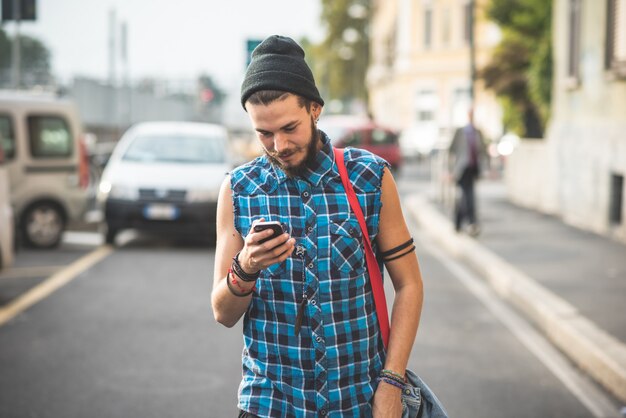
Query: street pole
{"x":472,"y":47}
{"x":15,"y":51}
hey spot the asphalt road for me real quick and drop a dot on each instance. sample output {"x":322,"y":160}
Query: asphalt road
{"x":133,"y":336}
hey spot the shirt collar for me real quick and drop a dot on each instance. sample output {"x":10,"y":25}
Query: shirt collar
{"x":320,"y":167}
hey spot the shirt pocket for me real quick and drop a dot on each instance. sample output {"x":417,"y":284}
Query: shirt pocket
{"x":347,"y":253}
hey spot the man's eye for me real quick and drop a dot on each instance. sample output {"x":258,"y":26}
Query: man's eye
{"x":290,"y":129}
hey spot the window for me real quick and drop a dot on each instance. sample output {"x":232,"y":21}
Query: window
{"x":176,"y":149}
{"x":428,"y":27}
{"x":426,"y":103}
{"x":354,"y":139}
{"x":382,"y":137}
{"x":616,"y":37}
{"x":467,"y":21}
{"x":573,"y":64}
{"x":49,"y":137}
{"x":446,"y":30}
{"x":7,"y":137}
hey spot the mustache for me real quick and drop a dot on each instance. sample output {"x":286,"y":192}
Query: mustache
{"x":284,"y":154}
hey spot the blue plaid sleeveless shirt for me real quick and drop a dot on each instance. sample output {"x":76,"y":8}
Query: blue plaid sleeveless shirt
{"x":330,"y":368}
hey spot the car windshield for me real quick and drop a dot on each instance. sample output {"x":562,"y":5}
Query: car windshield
{"x":188,"y":149}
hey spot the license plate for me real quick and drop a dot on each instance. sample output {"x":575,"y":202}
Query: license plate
{"x":161,"y":212}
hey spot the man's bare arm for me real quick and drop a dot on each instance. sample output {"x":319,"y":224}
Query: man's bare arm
{"x":253,"y":257}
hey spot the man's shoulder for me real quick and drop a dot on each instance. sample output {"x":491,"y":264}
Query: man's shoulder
{"x":358,"y":156}
{"x":365,"y":168}
{"x":253,"y":177}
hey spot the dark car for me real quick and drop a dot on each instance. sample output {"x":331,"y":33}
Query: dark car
{"x":361,"y":132}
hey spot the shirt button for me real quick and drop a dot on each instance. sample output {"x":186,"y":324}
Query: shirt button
{"x":318,"y":339}
{"x":305,"y":194}
{"x":323,"y":412}
{"x":310,"y":266}
{"x":309,"y":229}
{"x":313,"y":302}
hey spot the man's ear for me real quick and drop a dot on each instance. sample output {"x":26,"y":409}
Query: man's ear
{"x":316,"y":110}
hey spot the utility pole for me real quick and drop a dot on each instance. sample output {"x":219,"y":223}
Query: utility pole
{"x":472,"y":47}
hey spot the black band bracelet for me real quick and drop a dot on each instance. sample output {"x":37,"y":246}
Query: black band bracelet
{"x":240,"y":272}
{"x":401,"y":255}
{"x":397,"y":249}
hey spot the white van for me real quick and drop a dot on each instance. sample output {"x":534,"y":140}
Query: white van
{"x":6,"y":217}
{"x":47,"y":165}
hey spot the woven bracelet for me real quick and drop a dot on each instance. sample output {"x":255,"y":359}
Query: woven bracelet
{"x":393,"y":377}
{"x":391,"y":382}
{"x":391,"y":372}
{"x":240,"y":272}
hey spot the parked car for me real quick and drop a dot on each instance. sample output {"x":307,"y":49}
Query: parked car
{"x":6,"y":217}
{"x":361,"y":132}
{"x":47,"y":165}
{"x":165,"y":177}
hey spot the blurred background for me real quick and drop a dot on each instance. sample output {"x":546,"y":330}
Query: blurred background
{"x":97,"y":99}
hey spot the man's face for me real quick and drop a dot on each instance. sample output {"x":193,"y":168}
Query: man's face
{"x":287,"y":132}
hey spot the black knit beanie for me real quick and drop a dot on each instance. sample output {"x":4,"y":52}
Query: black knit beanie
{"x":278,"y":64}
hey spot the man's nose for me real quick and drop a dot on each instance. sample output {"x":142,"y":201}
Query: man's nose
{"x":280,"y":142}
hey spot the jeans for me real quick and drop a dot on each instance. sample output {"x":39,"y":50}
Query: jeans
{"x":466,"y":204}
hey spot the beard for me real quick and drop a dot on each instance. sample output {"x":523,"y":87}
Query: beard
{"x":310,"y":149}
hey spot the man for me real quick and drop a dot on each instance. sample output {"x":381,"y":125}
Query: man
{"x":312,"y":345}
{"x":464,"y":159}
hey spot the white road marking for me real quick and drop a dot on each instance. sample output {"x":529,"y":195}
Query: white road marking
{"x":28,"y":272}
{"x":53,"y":283}
{"x":83,"y":238}
{"x":576,"y":382}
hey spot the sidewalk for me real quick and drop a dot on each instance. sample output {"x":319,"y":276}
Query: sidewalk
{"x":570,"y":283}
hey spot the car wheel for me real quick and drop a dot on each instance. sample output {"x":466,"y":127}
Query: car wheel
{"x":42,"y":225}
{"x":109,"y":235}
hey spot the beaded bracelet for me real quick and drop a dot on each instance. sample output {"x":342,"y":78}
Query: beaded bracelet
{"x":391,"y":372}
{"x":393,"y":377}
{"x":241,"y":273}
{"x":391,"y":382}
{"x":233,"y":291}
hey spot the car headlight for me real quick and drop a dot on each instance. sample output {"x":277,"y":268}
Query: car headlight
{"x":201,"y":195}
{"x":117,"y":191}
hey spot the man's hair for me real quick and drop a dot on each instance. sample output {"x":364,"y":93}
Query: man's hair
{"x":266,"y":97}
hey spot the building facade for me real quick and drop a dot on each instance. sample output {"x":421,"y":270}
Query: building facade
{"x":577,"y":172}
{"x":419,"y":73}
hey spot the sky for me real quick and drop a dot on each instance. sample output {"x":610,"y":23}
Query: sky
{"x":173,"y":39}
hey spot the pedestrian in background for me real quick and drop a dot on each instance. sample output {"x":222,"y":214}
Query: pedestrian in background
{"x":312,"y":343}
{"x":465,"y":156}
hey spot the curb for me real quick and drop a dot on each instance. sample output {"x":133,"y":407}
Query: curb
{"x":601,"y":355}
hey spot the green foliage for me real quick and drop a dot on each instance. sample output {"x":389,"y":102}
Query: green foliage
{"x":340,"y":61}
{"x":35,"y":60}
{"x":520,"y":70}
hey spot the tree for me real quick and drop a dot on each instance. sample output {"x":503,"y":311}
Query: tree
{"x":340,"y":61}
{"x":520,"y":70}
{"x":35,"y":61}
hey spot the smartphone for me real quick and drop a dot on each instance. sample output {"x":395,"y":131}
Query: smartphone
{"x":275,"y":226}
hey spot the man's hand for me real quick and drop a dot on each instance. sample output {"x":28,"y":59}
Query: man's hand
{"x":255,"y":257}
{"x":387,"y":401}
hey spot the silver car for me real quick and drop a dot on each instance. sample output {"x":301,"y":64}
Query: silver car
{"x":165,"y":177}
{"x":47,"y":165}
{"x":6,"y":217}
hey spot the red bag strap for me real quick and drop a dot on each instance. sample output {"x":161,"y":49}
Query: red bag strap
{"x":376,"y":279}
